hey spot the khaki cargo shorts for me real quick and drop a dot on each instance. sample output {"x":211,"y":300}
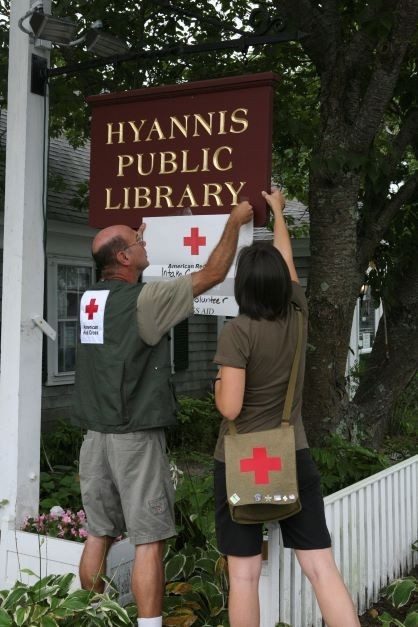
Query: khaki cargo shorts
{"x":126,"y":485}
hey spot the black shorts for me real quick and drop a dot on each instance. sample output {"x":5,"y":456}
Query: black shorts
{"x":305,"y":530}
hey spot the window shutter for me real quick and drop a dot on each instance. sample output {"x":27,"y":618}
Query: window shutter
{"x":181,"y":345}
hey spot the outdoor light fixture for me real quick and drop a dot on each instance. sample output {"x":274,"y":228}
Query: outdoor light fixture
{"x":103,"y":44}
{"x":62,"y":31}
{"x":59,"y":30}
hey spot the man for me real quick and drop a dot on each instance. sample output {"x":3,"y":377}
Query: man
{"x":124,"y":397}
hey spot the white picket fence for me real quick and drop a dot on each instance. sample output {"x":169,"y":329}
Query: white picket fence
{"x":372,"y":524}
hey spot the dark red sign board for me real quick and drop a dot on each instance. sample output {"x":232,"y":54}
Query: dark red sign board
{"x":194,"y":148}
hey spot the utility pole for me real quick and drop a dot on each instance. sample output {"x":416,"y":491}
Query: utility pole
{"x":23,"y":278}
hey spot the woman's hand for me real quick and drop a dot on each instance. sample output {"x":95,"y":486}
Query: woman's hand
{"x":275,"y":199}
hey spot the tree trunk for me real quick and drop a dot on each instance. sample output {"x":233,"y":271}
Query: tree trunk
{"x":391,"y":366}
{"x":333,"y":288}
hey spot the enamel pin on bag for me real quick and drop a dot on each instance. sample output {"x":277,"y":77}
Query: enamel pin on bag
{"x":261,"y":475}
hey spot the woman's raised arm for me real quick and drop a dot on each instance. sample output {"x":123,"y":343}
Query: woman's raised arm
{"x":281,"y":240}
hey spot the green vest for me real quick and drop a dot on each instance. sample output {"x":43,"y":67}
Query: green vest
{"x":122,"y":384}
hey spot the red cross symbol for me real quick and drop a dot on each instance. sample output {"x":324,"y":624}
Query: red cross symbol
{"x":194,"y":240}
{"x":260,"y":464}
{"x":92,"y":308}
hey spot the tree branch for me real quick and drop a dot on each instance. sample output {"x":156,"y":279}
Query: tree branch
{"x":377,"y":227}
{"x":407,"y":132}
{"x":389,"y":56}
{"x":359,"y":51}
{"x":319,"y":44}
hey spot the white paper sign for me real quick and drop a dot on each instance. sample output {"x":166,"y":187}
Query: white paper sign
{"x":180,"y":245}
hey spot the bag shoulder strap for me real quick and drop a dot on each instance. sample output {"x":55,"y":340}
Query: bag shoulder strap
{"x":287,"y":410}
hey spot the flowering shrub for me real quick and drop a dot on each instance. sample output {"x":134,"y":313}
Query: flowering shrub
{"x":59,"y":523}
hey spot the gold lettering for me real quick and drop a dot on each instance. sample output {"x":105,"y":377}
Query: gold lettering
{"x":126,"y":197}
{"x":140,"y":164}
{"x":239,"y":120}
{"x":136,"y":129}
{"x":235,"y":192}
{"x":185,"y":166}
{"x":215,"y":194}
{"x":168,"y":158}
{"x":159,"y":194}
{"x":187,"y":194}
{"x":175,"y":122}
{"x":205,"y":163}
{"x":111,"y":132}
{"x":201,"y":120}
{"x":216,"y":158}
{"x":109,"y":200}
{"x":155,"y":128}
{"x":142,"y":193}
{"x":124,"y":162}
{"x":222,"y":130}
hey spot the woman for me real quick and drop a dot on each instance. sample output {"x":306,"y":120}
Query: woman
{"x":255,"y":354}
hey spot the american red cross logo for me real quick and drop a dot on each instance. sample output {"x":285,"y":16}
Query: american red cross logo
{"x":194,"y":240}
{"x":260,"y":464}
{"x":92,"y":308}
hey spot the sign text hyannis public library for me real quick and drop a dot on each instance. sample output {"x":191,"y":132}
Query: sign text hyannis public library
{"x":200,"y":147}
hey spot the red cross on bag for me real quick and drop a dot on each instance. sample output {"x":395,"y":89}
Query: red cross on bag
{"x":261,"y":465}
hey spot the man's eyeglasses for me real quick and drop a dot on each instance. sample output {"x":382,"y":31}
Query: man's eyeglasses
{"x":139,"y":240}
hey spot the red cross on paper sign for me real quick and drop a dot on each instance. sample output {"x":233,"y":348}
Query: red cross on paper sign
{"x":92,"y":308}
{"x":194,"y":240}
{"x":260,"y":464}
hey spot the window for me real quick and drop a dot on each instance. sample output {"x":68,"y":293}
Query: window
{"x":67,"y":280}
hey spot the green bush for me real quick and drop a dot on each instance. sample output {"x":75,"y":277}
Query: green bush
{"x":195,"y":508}
{"x":342,"y":463}
{"x":401,"y":593}
{"x":61,"y":446}
{"x":197,"y":587}
{"x":49,"y":603}
{"x":60,"y":488}
{"x":198,"y":425}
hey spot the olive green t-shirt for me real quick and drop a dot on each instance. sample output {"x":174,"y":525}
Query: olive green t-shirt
{"x":265,"y":348}
{"x":161,"y":305}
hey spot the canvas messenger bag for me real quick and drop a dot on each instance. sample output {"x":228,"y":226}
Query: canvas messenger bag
{"x":261,"y":475}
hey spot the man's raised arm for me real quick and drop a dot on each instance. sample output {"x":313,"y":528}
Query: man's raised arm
{"x":223,"y":254}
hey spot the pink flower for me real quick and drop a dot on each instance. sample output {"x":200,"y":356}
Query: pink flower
{"x":82,"y":533}
{"x":66,"y":518}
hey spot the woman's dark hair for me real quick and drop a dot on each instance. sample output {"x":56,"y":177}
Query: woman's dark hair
{"x":262,"y":282}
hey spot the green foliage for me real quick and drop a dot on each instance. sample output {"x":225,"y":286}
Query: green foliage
{"x":50,"y":603}
{"x":394,"y":255}
{"x":405,"y":416}
{"x":197,"y":587}
{"x":81,"y":198}
{"x":400,"y":593}
{"x":60,"y":446}
{"x":342,"y":463}
{"x":402,"y":440}
{"x":198,"y":425}
{"x":60,"y":488}
{"x":194,"y":508}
